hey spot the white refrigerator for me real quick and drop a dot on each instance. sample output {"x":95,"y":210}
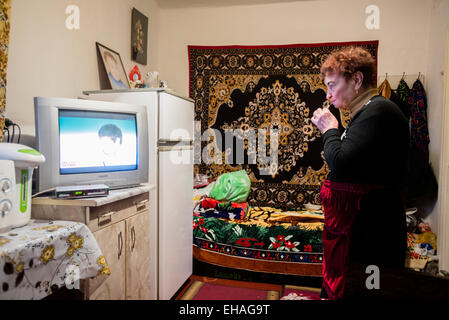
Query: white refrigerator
{"x":170,"y":130}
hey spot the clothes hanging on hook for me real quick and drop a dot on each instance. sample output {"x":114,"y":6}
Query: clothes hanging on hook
{"x":385,"y":88}
{"x":386,"y":91}
{"x":419,"y":131}
{"x":422,"y":185}
{"x":403,"y":92}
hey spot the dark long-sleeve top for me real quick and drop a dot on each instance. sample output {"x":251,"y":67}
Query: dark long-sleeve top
{"x":373,"y":148}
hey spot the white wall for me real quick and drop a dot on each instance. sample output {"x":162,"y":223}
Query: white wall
{"x":47,"y":59}
{"x":403,"y":33}
{"x":443,"y":204}
{"x":439,"y":24}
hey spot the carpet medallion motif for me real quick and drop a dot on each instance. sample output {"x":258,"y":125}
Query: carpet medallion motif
{"x":252,"y":92}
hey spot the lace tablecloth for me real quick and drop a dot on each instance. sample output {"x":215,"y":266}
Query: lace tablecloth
{"x":39,"y":258}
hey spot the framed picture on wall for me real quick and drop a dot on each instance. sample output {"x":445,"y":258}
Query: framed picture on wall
{"x":113,"y":67}
{"x":139,"y":37}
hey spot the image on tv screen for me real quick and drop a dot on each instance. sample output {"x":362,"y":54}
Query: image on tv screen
{"x":93,"y":141}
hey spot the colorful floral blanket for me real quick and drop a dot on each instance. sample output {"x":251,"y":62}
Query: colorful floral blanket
{"x":265,"y":235}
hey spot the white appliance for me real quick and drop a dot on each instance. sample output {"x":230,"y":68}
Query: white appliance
{"x":16,"y":170}
{"x":170,"y":136}
{"x":7,"y":194}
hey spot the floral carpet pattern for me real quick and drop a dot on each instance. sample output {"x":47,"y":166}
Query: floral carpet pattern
{"x":254,"y":92}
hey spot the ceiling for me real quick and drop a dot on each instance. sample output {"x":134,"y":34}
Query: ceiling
{"x":170,"y":4}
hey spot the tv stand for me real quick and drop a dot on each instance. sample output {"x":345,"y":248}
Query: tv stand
{"x":120,"y":224}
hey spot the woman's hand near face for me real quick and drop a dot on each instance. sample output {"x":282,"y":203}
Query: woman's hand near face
{"x":324,"y":120}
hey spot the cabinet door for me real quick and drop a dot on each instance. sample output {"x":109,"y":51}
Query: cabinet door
{"x":112,"y":243}
{"x":138,"y":257}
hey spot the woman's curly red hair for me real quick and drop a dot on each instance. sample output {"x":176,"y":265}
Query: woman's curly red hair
{"x":348,"y":61}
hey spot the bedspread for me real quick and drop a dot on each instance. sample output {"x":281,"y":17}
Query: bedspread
{"x":267,"y":240}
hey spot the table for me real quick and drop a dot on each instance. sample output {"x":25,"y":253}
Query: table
{"x":43,"y":256}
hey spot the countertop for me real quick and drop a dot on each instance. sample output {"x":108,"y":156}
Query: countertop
{"x":114,"y":195}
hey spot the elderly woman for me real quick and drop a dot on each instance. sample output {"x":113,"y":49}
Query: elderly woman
{"x":362,"y":197}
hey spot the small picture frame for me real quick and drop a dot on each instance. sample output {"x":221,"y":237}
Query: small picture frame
{"x":139,"y":37}
{"x":113,"y":67}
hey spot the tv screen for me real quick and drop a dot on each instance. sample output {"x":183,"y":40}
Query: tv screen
{"x":91,"y":141}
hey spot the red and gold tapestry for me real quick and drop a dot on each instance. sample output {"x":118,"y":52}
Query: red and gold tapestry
{"x":4,"y":44}
{"x":253,"y":106}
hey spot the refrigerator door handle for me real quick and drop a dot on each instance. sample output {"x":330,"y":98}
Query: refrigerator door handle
{"x":168,"y":141}
{"x":165,"y":145}
{"x":174,"y":148}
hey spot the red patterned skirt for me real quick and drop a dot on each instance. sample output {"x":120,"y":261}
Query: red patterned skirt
{"x":341,"y":202}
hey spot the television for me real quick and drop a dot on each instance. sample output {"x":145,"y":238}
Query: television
{"x":89,"y":142}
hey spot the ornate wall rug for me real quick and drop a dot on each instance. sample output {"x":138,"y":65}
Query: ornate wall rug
{"x":253,"y":106}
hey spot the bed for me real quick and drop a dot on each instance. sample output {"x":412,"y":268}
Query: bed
{"x":261,"y":239}
{"x":272,"y":240}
